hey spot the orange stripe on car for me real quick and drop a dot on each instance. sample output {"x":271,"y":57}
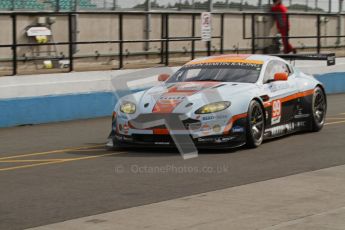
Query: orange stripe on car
{"x":161,"y":131}
{"x":291,"y":97}
{"x":232,"y":121}
{"x":220,"y":60}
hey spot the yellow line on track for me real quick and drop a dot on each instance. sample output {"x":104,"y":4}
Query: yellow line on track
{"x":51,"y":152}
{"x":333,"y":123}
{"x":59,"y":161}
{"x":335,"y":118}
{"x":24,"y":161}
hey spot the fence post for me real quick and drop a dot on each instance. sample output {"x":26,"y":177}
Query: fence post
{"x":75,"y":7}
{"x":70,"y":42}
{"x":162,"y":37}
{"x":147,"y":24}
{"x":318,"y":33}
{"x":210,"y":5}
{"x":193,"y":36}
{"x":253,"y":34}
{"x":167,"y":40}
{"x":222,"y":33}
{"x":114,"y":4}
{"x":57,"y":6}
{"x":121,"y":41}
{"x":14,"y":44}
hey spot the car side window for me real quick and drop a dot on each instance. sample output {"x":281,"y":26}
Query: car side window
{"x":269,"y":72}
{"x":274,"y":67}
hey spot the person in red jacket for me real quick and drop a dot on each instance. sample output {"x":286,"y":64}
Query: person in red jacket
{"x":283,"y":25}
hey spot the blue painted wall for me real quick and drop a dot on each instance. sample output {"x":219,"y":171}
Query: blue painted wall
{"x":37,"y":110}
{"x":333,"y":82}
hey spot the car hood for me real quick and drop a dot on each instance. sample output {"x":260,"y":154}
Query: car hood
{"x":175,"y":97}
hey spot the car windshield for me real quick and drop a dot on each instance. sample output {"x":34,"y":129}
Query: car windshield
{"x":222,"y":72}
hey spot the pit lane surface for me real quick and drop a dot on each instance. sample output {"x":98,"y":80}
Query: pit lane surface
{"x":55,"y":172}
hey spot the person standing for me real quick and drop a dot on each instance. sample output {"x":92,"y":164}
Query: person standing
{"x":283,"y":24}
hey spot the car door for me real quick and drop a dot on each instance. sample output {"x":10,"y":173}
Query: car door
{"x":281,"y":94}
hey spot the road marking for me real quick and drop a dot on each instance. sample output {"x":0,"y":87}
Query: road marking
{"x":333,"y":123}
{"x":24,"y":161}
{"x":59,"y":161}
{"x":51,"y":152}
{"x":335,"y":118}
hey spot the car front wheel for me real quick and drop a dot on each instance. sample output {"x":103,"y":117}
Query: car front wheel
{"x":255,"y":125}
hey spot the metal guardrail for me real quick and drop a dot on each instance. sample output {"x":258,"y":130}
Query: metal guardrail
{"x":164,"y":40}
{"x":318,"y":35}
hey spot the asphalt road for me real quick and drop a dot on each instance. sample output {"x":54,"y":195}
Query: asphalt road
{"x":46,"y":177}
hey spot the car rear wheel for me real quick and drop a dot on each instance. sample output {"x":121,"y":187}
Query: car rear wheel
{"x":255,"y":125}
{"x":319,"y":109}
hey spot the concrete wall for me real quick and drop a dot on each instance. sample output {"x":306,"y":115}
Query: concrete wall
{"x":104,"y":27}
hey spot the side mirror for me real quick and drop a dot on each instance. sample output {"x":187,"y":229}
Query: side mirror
{"x":281,"y":76}
{"x":163,"y":77}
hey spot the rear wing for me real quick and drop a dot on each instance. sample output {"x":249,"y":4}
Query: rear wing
{"x":330,"y":58}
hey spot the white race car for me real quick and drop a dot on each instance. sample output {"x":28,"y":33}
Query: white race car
{"x":222,"y":101}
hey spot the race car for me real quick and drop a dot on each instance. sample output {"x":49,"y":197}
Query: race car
{"x":222,"y":102}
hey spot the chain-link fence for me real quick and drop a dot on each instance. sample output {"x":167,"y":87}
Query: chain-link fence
{"x":223,"y":5}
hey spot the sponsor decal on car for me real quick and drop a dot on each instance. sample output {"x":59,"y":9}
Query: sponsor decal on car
{"x":205,"y":129}
{"x":172,"y":97}
{"x":217,"y":128}
{"x":211,"y":117}
{"x":238,"y":129}
{"x":276,"y":112}
{"x":281,"y":129}
{"x":298,"y":116}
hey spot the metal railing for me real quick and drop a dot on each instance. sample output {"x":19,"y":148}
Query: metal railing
{"x":164,"y":41}
{"x":317,"y":36}
{"x":145,"y":5}
{"x":165,"y":37}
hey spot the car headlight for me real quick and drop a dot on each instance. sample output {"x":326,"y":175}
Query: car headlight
{"x":214,"y":107}
{"x":128,"y":107}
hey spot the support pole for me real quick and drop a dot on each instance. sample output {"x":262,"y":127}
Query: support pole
{"x":167,"y":40}
{"x":193,"y":35}
{"x":14,"y":44}
{"x":253,"y":34}
{"x":147,"y":24}
{"x":70,"y":40}
{"x":210,"y":5}
{"x":57,"y":7}
{"x":318,"y":34}
{"x":121,"y":41}
{"x":114,"y":4}
{"x":339,"y":21}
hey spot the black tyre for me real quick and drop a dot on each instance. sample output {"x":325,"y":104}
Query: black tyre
{"x":319,"y":110}
{"x":113,"y":144}
{"x":255,"y":125}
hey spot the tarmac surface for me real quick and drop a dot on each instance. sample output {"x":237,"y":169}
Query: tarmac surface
{"x":56,"y":172}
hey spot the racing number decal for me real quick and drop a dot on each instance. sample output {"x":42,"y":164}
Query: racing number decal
{"x":276,"y":112}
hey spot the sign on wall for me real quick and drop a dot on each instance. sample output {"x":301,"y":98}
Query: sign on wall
{"x":206,"y":26}
{"x":38,"y":31}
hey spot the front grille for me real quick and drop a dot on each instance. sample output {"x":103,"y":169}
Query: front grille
{"x":186,"y":123}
